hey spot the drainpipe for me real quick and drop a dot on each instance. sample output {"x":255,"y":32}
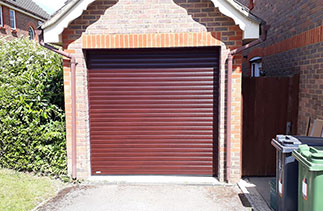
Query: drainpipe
{"x":263,"y":37}
{"x":251,"y":4}
{"x":73,"y":86}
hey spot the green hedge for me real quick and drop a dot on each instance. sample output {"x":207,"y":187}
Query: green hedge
{"x":32,"y":120}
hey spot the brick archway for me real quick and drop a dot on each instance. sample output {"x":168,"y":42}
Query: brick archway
{"x":32,"y":25}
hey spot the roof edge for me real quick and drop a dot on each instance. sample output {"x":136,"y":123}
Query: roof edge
{"x":246,"y":11}
{"x":61,"y":12}
{"x":24,"y":11}
{"x":242,"y":17}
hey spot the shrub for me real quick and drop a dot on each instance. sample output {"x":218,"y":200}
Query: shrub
{"x":32,"y":121}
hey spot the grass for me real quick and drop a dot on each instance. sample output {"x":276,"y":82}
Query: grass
{"x":21,"y":191}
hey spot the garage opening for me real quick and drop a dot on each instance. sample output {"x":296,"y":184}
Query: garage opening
{"x":154,"y":111}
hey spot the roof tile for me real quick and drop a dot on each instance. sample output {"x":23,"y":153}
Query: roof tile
{"x":29,"y":6}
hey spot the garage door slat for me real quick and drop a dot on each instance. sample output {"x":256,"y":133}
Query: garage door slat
{"x":160,"y":172}
{"x":149,"y":123}
{"x":148,"y":83}
{"x":166,"y":149}
{"x":151,"y":128}
{"x":154,"y":167}
{"x":147,"y":158}
{"x":155,"y":145}
{"x":161,"y":120}
{"x":157,"y":141}
{"x":111,"y":98}
{"x":152,"y":155}
{"x":151,"y":132}
{"x":156,"y":136}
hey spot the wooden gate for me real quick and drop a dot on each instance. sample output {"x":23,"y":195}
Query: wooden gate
{"x":270,"y":107}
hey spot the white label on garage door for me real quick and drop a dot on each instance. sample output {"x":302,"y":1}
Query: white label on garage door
{"x":280,"y":188}
{"x":304,"y":188}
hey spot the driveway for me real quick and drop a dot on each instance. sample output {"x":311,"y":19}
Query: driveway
{"x":148,"y":197}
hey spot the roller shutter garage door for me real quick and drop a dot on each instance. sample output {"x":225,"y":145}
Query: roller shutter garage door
{"x":153,"y":111}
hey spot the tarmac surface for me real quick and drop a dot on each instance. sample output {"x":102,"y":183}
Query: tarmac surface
{"x":126,"y":197}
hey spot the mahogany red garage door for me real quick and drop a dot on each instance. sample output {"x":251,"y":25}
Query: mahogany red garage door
{"x":153,"y":111}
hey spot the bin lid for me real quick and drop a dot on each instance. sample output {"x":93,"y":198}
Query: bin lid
{"x":310,"y":141}
{"x":310,"y":156}
{"x":286,"y":143}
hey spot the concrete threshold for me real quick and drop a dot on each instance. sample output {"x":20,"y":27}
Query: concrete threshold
{"x":253,"y":196}
{"x":175,"y":180}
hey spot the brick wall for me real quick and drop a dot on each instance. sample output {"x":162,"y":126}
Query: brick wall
{"x":23,"y":22}
{"x":294,"y":45}
{"x":308,"y":61}
{"x":145,"y":20}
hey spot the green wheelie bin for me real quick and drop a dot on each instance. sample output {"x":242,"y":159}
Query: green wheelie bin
{"x":310,"y":177}
{"x":287,"y":169}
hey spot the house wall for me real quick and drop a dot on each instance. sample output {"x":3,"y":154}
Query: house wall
{"x":137,"y":24}
{"x":23,"y":22}
{"x":294,"y":45}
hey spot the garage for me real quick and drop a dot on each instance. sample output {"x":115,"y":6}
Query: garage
{"x":153,"y":111}
{"x":145,"y":90}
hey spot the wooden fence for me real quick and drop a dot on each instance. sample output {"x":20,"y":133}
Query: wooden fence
{"x":270,"y":107}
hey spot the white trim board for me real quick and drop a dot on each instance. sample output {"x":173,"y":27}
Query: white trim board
{"x":249,"y":26}
{"x":1,"y":16}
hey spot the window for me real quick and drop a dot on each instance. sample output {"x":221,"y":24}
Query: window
{"x":31,"y":33}
{"x":12,"y":19}
{"x":1,"y":18}
{"x":256,"y":67}
{"x":40,"y":23}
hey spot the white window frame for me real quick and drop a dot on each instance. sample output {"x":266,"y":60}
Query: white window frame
{"x":40,"y":23}
{"x":14,"y":19}
{"x":256,"y":66}
{"x":33,"y":31}
{"x":1,"y":17}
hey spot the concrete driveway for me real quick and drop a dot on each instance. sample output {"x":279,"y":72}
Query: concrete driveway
{"x":148,"y":197}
